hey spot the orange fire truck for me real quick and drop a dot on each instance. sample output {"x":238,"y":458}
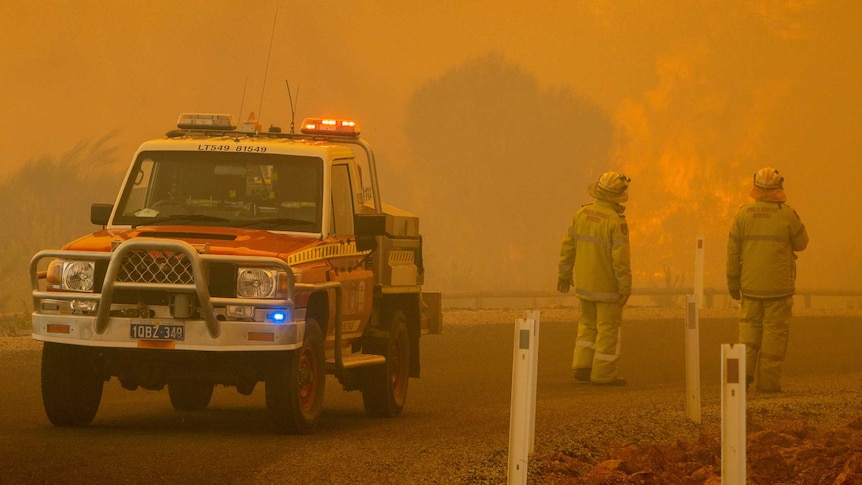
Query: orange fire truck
{"x":232,"y":257}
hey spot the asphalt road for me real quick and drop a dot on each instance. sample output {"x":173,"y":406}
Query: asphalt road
{"x":454,"y":428}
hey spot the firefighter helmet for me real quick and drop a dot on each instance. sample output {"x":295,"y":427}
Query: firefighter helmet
{"x":768,"y":186}
{"x":611,"y":187}
{"x":768,"y":178}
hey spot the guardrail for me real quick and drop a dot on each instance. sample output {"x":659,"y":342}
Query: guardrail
{"x":538,"y":299}
{"x":661,"y":296}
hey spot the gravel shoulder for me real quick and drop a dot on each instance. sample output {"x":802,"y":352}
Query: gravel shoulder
{"x":455,"y":427}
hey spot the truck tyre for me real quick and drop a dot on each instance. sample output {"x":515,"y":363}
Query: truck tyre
{"x":71,"y":384}
{"x":295,"y":383}
{"x":190,"y":395}
{"x":384,"y":387}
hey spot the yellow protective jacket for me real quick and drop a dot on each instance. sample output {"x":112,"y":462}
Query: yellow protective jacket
{"x":761,"y":258}
{"x":596,"y":246}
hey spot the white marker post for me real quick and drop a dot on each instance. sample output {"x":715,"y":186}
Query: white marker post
{"x":692,"y":360}
{"x":522,"y":417}
{"x":733,"y":394}
{"x":698,"y":272}
{"x":534,"y":370}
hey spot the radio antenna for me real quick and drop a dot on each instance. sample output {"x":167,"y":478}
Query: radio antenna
{"x":268,"y":56}
{"x":292,"y":105}
{"x":242,"y":103}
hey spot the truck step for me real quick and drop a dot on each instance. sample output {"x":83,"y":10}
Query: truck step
{"x":359,"y":360}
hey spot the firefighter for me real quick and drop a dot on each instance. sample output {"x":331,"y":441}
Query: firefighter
{"x":761,"y":272}
{"x":596,"y":247}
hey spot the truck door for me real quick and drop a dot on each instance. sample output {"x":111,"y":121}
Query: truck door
{"x":342,"y":202}
{"x":358,"y":282}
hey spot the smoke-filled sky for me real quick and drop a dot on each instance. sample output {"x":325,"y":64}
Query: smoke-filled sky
{"x":700,"y":93}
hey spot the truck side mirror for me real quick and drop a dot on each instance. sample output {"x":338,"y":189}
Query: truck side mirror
{"x":368,"y":227}
{"x":100,"y":214}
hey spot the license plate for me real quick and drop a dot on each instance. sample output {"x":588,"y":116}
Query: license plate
{"x":155,"y":331}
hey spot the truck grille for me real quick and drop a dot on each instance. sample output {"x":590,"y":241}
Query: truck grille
{"x":156,"y":267}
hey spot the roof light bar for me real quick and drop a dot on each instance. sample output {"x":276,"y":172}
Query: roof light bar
{"x":206,"y":121}
{"x":319,"y":126}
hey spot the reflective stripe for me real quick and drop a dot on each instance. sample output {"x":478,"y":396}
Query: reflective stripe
{"x":591,"y":239}
{"x":606,"y":357}
{"x":598,"y":295}
{"x":612,"y":357}
{"x":566,"y":268}
{"x":766,"y":294}
{"x":585,"y":344}
{"x":765,"y":238}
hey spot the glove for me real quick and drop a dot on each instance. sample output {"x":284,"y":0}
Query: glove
{"x":624,"y":300}
{"x":563,"y":284}
{"x":735,"y":294}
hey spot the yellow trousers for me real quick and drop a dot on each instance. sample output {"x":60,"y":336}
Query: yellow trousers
{"x":598,"y":342}
{"x":764,"y":328}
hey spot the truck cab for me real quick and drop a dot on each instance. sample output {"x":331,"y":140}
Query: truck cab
{"x":232,"y":257}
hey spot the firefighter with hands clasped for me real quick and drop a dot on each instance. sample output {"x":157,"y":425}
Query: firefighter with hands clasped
{"x":761,"y":272}
{"x":596,"y":247}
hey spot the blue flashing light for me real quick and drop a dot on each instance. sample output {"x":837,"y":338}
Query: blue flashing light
{"x":278,"y":316}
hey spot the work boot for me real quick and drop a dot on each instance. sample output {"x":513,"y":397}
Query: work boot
{"x":616,"y":382}
{"x":583,"y":374}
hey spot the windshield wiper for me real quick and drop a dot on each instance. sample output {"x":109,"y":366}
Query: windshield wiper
{"x":179,"y":219}
{"x":277,"y":221}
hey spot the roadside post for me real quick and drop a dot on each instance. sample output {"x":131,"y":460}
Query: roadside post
{"x":698,"y":271}
{"x":733,"y":394}
{"x":522,"y":416}
{"x":693,"y":304}
{"x":692,"y":360}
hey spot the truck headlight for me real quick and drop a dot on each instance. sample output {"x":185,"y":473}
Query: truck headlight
{"x":69,"y":275}
{"x":256,"y":283}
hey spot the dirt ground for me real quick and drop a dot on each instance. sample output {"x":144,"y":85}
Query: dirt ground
{"x":791,"y":453}
{"x":790,"y":450}
{"x":809,"y":434}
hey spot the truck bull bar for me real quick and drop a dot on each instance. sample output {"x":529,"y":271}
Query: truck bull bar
{"x":198,"y":286}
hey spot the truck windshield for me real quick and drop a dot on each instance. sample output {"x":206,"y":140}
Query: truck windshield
{"x":269,"y":191}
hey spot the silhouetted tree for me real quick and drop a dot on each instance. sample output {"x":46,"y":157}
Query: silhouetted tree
{"x":500,"y":165}
{"x":46,"y":203}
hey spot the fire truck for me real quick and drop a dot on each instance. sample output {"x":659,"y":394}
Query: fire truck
{"x":234,"y":256}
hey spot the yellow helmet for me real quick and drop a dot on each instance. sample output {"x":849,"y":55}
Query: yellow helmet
{"x":768,"y":186}
{"x":768,"y":178}
{"x":611,"y":187}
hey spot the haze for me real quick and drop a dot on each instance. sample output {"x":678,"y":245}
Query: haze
{"x":688,"y":98}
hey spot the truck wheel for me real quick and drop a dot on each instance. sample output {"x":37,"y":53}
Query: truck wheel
{"x":190,"y":395}
{"x":295,"y":384}
{"x":384,"y":387}
{"x":71,"y":384}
